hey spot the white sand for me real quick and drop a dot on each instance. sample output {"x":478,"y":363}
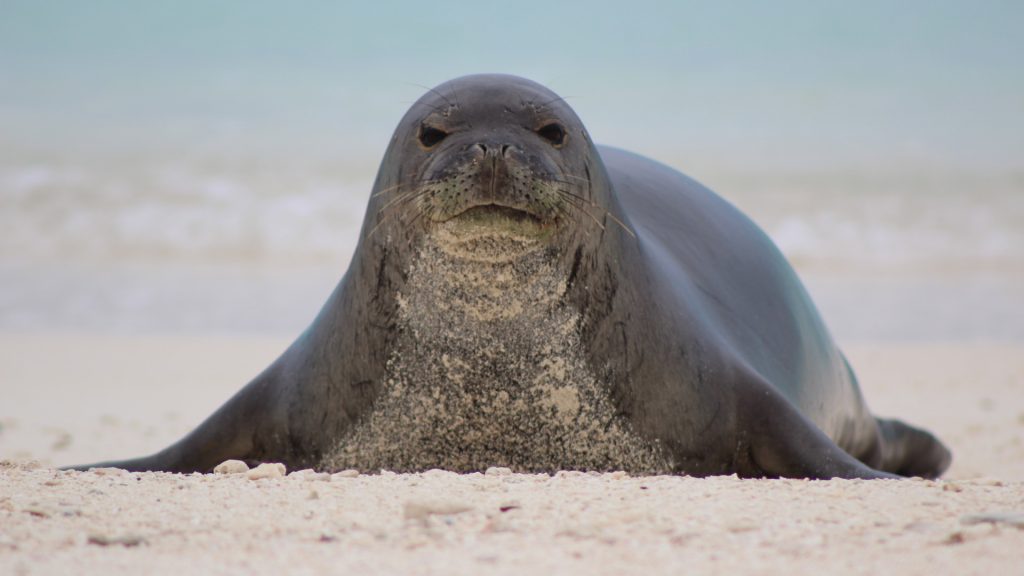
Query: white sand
{"x":75,"y":398}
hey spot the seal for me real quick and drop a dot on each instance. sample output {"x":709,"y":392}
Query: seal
{"x":521,"y":297}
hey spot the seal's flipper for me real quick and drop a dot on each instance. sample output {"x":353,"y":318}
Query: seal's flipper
{"x":784,"y":443}
{"x":910,"y":451}
{"x":232,"y":432}
{"x":167,"y":460}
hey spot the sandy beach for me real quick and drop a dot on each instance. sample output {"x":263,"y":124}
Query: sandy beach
{"x":72,"y":398}
{"x":182,"y":185}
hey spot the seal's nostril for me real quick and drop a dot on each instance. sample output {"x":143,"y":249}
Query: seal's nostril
{"x":505,"y":149}
{"x":482,"y":148}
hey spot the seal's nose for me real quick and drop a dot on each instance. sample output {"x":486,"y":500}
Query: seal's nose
{"x":483,"y":149}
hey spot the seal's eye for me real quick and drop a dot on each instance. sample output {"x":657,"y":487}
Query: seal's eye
{"x":430,"y":136}
{"x":553,"y":133}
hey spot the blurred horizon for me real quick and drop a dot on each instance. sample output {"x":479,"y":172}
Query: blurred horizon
{"x":160,"y":156}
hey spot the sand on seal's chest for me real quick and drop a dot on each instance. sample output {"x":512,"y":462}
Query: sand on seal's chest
{"x":488,"y":370}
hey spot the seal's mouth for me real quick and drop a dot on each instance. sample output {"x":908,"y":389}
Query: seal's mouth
{"x":493,"y":232}
{"x":484,"y":213}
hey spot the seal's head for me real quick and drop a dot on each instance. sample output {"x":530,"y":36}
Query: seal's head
{"x":487,"y":153}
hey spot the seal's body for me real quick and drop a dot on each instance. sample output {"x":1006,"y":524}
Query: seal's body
{"x":521,"y":297}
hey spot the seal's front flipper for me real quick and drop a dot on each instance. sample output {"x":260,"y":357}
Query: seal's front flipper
{"x":167,"y":460}
{"x":782,"y":442}
{"x":910,"y":451}
{"x":240,"y":430}
{"x":213,"y":442}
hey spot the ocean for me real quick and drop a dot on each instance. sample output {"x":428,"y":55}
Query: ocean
{"x":198,"y":167}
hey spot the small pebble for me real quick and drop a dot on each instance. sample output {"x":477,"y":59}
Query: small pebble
{"x":422,"y":509}
{"x":267,"y":470}
{"x":510,"y":505}
{"x":127,"y":540}
{"x":1015,"y":519}
{"x":955,"y":538}
{"x":309,"y":474}
{"x":38,"y":511}
{"x":231,"y":467}
{"x":345,"y":474}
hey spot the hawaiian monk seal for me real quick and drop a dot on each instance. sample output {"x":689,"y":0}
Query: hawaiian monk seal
{"x":521,"y":297}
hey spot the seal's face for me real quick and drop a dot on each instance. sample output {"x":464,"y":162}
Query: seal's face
{"x":496,"y":153}
{"x":511,"y":164}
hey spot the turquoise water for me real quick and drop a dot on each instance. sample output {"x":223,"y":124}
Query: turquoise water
{"x":726,"y":83}
{"x":158,"y":158}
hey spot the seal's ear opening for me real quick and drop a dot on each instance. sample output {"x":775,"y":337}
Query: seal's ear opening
{"x":553,"y":133}
{"x":431,"y":136}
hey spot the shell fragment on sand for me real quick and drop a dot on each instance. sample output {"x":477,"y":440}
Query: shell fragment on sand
{"x":231,"y":467}
{"x":267,"y":470}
